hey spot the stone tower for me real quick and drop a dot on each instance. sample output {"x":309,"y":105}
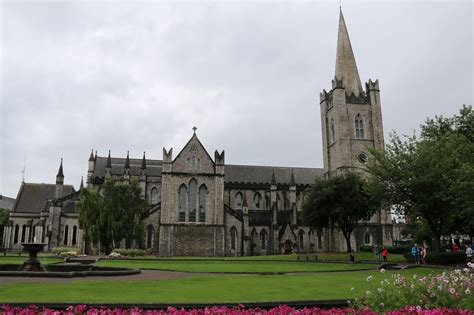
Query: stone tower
{"x":351,"y":118}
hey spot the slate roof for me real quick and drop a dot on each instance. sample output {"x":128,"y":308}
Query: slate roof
{"x":32,"y":197}
{"x":6,"y":202}
{"x":263,"y":174}
{"x":153,"y":167}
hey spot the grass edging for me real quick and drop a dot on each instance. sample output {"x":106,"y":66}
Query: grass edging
{"x":338,"y":303}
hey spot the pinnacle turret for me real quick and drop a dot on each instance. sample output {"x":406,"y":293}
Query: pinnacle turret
{"x":346,"y":67}
{"x":143,"y":167}
{"x":109,"y":162}
{"x":127,"y":162}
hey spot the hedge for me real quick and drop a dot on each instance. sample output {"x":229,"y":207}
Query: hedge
{"x":440,"y":258}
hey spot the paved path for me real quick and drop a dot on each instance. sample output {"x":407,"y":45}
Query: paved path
{"x":144,"y":275}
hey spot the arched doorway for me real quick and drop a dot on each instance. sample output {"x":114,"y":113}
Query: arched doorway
{"x":287,"y":247}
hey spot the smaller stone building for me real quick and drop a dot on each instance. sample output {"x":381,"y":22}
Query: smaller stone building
{"x":44,"y":213}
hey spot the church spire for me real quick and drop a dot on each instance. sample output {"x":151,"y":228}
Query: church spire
{"x":60,"y":175}
{"x":346,"y":67}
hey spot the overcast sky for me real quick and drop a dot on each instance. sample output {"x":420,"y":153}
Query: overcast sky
{"x":139,"y":75}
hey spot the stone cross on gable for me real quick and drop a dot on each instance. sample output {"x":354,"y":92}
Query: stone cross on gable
{"x":194,"y":129}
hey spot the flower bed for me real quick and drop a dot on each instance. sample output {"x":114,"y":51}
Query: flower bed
{"x":239,"y":310}
{"x":451,"y":289}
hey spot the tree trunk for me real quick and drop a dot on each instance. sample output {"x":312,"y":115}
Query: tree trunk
{"x":436,"y":242}
{"x":347,"y":236}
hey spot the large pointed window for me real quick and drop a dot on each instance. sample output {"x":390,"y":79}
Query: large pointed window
{"x":192,"y":203}
{"x":263,"y":239}
{"x":233,"y":238}
{"x":359,"y":127}
{"x":182,"y":203}
{"x":202,"y":203}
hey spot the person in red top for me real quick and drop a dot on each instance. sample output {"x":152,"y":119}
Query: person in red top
{"x":385,"y":254}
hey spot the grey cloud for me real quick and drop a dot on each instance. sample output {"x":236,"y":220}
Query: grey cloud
{"x":137,"y":76}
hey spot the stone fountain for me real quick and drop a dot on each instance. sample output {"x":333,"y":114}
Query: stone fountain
{"x":32,"y":263}
{"x":33,"y":268}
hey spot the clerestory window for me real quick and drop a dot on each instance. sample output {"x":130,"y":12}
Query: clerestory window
{"x":359,"y":127}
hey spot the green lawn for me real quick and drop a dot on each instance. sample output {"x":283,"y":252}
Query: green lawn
{"x":15,"y":259}
{"x":233,"y":266}
{"x":218,"y":289}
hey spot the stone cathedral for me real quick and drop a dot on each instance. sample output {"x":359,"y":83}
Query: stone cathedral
{"x":199,"y":205}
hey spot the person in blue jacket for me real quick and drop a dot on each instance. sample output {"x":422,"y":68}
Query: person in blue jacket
{"x":415,"y":251}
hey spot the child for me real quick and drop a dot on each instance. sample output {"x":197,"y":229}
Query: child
{"x":384,"y":254}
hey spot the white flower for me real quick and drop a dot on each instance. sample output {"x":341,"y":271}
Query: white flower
{"x":467,"y":291}
{"x":368,"y":292}
{"x":352,"y":289}
{"x":412,"y":286}
{"x":382,"y":305}
{"x":382,"y":270}
{"x":452,"y":290}
{"x":380,"y":290}
{"x":369,"y":278}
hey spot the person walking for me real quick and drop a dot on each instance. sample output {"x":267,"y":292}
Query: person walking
{"x":416,"y":254}
{"x":376,"y":251}
{"x":424,"y":252}
{"x":469,"y":253}
{"x":385,"y":254}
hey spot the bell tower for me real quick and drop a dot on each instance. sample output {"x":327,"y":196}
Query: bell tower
{"x":351,"y":117}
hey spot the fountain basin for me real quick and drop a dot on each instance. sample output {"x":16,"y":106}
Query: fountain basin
{"x":66,"y":270}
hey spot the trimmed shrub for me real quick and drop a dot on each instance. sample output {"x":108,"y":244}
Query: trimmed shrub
{"x":391,"y":249}
{"x":130,"y":252}
{"x":64,"y":251}
{"x":440,"y":258}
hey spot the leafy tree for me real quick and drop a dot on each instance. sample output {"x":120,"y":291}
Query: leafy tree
{"x":340,"y":201}
{"x":113,"y":214}
{"x":430,"y":179}
{"x":4,"y":214}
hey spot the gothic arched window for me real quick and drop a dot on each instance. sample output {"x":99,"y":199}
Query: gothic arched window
{"x":74,"y":236}
{"x":66,"y":234}
{"x":233,"y":238}
{"x":182,"y":203}
{"x":154,"y":196}
{"x":192,"y":203}
{"x":263,"y":239}
{"x":238,"y":200}
{"x":367,"y":238}
{"x":202,"y":203}
{"x":149,"y":236}
{"x":278,"y":200}
{"x":301,"y":240}
{"x":332,"y":137}
{"x":23,"y":232}
{"x":257,"y":200}
{"x":15,"y":236}
{"x":359,"y":127}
